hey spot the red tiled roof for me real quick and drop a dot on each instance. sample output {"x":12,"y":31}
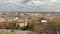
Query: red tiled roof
{"x":34,"y":20}
{"x":3,"y":22}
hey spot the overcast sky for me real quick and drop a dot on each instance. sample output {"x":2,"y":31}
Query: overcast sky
{"x":30,"y":5}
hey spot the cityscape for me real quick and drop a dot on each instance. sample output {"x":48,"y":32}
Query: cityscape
{"x":25,"y":20}
{"x":10,"y":16}
{"x":29,"y":16}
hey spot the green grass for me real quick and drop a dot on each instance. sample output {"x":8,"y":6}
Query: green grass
{"x":5,"y":32}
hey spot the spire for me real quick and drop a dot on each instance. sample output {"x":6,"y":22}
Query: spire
{"x":16,"y":17}
{"x":17,"y":14}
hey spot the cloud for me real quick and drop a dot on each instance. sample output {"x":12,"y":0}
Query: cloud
{"x":53,"y":0}
{"x":30,"y":5}
{"x":16,"y":3}
{"x":35,"y":3}
{"x":30,"y":2}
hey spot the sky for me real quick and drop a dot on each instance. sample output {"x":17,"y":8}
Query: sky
{"x":30,"y":5}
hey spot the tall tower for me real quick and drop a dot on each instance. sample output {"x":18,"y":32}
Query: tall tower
{"x":16,"y":16}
